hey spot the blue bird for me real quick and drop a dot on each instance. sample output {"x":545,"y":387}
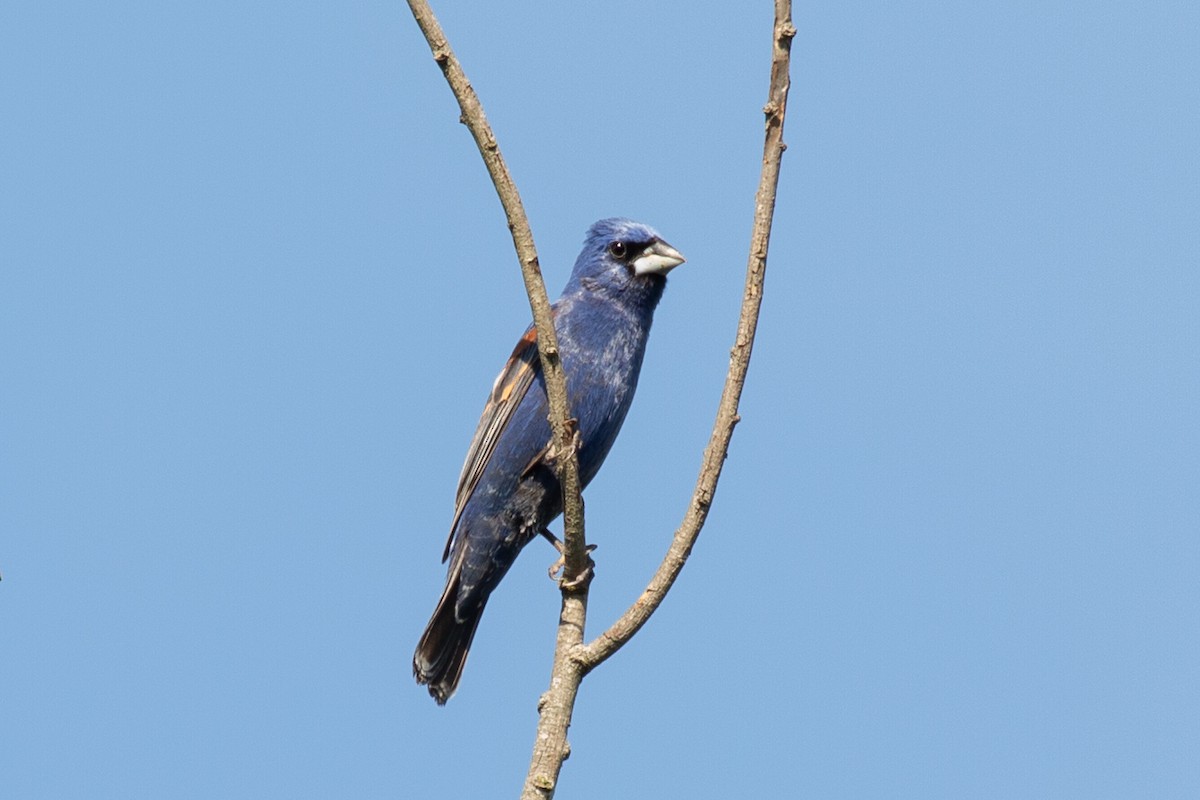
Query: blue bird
{"x":508,"y":491}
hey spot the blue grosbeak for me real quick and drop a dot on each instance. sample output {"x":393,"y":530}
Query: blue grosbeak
{"x":508,"y":491}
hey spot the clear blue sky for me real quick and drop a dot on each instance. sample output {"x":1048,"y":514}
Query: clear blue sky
{"x":254,"y":286}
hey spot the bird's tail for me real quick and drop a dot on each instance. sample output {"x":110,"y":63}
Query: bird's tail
{"x":442,"y":652}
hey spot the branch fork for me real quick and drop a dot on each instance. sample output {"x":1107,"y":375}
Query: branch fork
{"x":573,"y":659}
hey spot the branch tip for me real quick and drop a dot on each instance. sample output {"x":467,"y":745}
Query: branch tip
{"x":573,"y":659}
{"x":717,"y":450}
{"x":556,"y":705}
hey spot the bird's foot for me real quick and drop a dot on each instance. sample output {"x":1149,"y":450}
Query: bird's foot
{"x":583,"y":579}
{"x":579,"y":581}
{"x":553,"y":451}
{"x":560,"y":565}
{"x":576,"y":436}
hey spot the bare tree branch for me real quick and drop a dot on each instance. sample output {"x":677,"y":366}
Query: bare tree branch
{"x":685,"y":537}
{"x":556,"y":716}
{"x":567,"y":463}
{"x":572,"y":659}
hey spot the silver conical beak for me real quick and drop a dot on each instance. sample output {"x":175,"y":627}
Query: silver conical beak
{"x":657,"y":259}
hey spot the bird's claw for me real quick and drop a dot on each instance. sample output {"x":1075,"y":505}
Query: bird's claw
{"x":576,"y":436}
{"x":560,"y":566}
{"x":553,"y":452}
{"x":583,"y":579}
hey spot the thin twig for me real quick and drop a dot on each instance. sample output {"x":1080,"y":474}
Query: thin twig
{"x":607,"y":643}
{"x":573,"y":659}
{"x":554,"y":716}
{"x":574,"y":545}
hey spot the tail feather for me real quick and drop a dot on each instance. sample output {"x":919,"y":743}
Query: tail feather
{"x":442,"y":652}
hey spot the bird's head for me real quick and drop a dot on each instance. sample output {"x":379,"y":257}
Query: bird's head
{"x":619,"y":254}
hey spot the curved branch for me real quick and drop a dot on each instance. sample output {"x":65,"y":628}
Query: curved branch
{"x":556,"y":708}
{"x":573,"y":659}
{"x":607,"y":643}
{"x":575,"y":546}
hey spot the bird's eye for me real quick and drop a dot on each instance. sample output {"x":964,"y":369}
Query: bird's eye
{"x":617,"y":249}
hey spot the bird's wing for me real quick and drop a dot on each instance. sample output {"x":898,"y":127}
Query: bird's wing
{"x":507,"y":392}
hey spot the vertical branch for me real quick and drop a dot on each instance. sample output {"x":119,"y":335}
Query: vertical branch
{"x":685,"y":537}
{"x":572,"y":659}
{"x":567,"y":464}
{"x":557,"y":715}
